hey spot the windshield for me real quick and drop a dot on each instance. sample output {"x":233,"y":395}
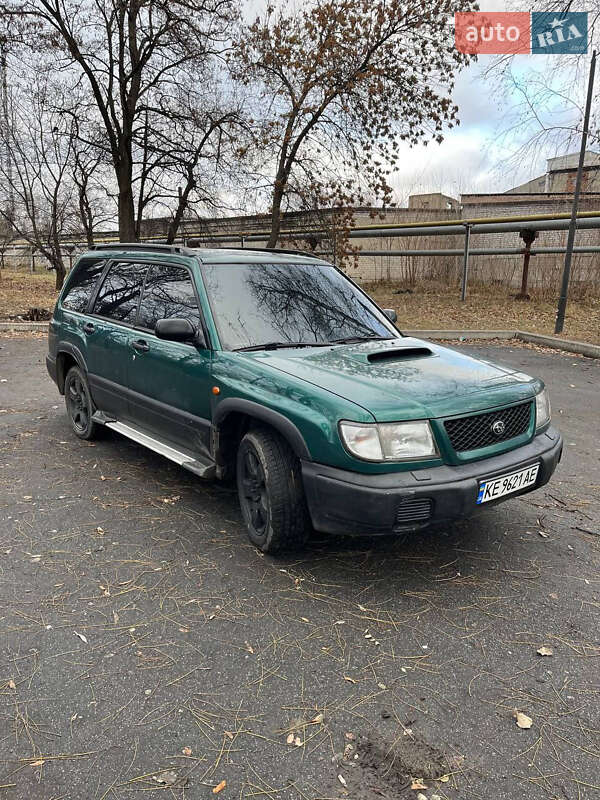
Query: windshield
{"x":257,"y":304}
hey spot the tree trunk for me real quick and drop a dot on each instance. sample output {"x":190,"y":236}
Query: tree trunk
{"x":60,"y":272}
{"x":181,"y":209}
{"x":126,"y":205}
{"x":276,"y":213}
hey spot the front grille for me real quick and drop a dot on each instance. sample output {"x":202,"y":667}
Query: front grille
{"x":470,"y":433}
{"x":415,"y":510}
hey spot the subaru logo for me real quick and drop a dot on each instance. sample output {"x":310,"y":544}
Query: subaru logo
{"x":498,"y":427}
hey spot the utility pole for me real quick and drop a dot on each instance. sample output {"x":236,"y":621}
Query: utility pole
{"x":564,"y":291}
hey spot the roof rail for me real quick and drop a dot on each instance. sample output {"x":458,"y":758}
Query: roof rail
{"x":198,"y":243}
{"x":153,"y":248}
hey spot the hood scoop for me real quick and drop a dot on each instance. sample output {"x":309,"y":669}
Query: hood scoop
{"x":398,"y":354}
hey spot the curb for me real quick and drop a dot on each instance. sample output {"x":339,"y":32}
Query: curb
{"x":23,"y":326}
{"x":567,"y":345}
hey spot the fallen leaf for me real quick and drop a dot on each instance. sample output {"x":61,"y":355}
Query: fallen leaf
{"x":544,"y":650}
{"x":81,"y":636}
{"x":417,"y":784}
{"x":523,"y":721}
{"x":349,"y":679}
{"x":318,"y":718}
{"x":187,"y":751}
{"x":342,"y":780}
{"x":382,"y":686}
{"x":12,"y":684}
{"x":304,"y":619}
{"x":168,"y":777}
{"x":38,"y":763}
{"x":290,"y":738}
{"x":219,"y":787}
{"x":444,"y":779}
{"x":249,"y":647}
{"x":543,"y":534}
{"x":298,"y":741}
{"x":228,"y":734}
{"x":350,"y":736}
{"x":100,"y":531}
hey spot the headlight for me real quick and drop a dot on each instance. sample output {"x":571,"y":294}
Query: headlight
{"x":542,"y":409}
{"x":390,"y":441}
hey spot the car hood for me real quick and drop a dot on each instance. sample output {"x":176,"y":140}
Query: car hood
{"x":404,"y":378}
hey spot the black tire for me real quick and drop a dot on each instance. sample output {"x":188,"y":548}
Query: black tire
{"x":80,"y":407}
{"x":271,"y":493}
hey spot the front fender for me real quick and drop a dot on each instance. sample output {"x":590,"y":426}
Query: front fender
{"x":305,"y":414}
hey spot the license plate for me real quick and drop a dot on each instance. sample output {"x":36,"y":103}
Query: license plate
{"x":494,"y":488}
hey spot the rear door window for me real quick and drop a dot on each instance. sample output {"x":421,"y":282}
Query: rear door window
{"x":120,"y":293}
{"x":168,"y":293}
{"x":82,"y":283}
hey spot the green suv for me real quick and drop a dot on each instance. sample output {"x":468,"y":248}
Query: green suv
{"x":274,"y":369}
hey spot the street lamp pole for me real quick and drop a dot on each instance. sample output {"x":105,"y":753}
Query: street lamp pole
{"x":564,"y":291}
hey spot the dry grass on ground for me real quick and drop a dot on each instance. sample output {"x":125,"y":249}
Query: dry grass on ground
{"x":430,"y":306}
{"x":434,"y":307}
{"x":20,"y":290}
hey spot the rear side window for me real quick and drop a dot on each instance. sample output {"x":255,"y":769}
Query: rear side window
{"x":169,"y":292}
{"x":119,"y":294}
{"x":82,"y":283}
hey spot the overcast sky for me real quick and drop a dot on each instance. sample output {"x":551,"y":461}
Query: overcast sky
{"x":483,"y":154}
{"x":487,"y":152}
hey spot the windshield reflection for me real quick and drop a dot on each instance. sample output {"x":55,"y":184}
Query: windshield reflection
{"x":255,"y":304}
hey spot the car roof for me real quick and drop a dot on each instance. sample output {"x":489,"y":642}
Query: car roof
{"x":206,"y":255}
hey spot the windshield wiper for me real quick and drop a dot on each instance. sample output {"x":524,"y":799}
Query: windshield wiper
{"x":352,"y":339}
{"x":279,"y":346}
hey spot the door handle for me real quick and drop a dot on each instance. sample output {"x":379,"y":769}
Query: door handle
{"x":88,"y":327}
{"x":141,"y":346}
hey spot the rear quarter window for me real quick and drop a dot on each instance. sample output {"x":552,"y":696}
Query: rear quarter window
{"x":82,"y":283}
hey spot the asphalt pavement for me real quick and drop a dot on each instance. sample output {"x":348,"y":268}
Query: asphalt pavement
{"x":146,"y":646}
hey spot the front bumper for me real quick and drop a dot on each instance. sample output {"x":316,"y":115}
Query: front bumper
{"x":340,"y":501}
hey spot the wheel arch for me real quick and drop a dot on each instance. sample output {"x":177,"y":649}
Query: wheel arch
{"x":67,"y":356}
{"x":234,"y":416}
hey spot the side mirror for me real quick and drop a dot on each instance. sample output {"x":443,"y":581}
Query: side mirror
{"x":390,"y":314}
{"x":177,"y":330}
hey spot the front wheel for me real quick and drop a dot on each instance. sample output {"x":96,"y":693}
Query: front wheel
{"x":270,"y":491}
{"x":79,"y":404}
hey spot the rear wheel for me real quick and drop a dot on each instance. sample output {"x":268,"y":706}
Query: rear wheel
{"x":270,"y":491}
{"x":79,"y":404}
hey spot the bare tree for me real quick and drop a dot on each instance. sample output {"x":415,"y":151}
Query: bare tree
{"x":42,"y":144}
{"x":130,"y":54}
{"x":340,"y":82}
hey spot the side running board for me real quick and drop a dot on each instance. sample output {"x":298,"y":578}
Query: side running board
{"x":204,"y":469}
